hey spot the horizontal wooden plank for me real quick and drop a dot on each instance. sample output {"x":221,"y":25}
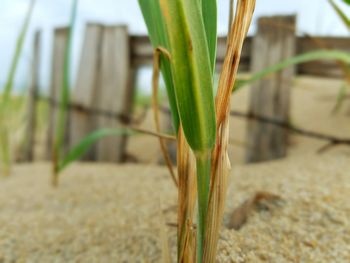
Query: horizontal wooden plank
{"x":142,"y":53}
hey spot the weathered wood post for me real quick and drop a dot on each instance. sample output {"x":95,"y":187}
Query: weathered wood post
{"x":116,"y":91}
{"x":59,"y":49}
{"x":104,"y":90}
{"x":28,"y":152}
{"x":270,"y":97}
{"x":86,"y":88}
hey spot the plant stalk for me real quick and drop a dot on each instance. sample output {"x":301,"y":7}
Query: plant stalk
{"x":203,"y":163}
{"x":5,"y":150}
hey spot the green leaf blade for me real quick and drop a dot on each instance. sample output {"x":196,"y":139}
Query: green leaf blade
{"x":82,"y":147}
{"x":15,"y":59}
{"x":192,"y":72}
{"x":157,"y":32}
{"x":303,"y":58}
{"x":341,"y":14}
{"x":209,"y":13}
{"x":64,"y":94}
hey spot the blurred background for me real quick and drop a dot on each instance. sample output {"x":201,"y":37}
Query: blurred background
{"x":315,"y":17}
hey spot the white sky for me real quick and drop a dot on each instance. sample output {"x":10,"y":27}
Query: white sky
{"x":314,"y":17}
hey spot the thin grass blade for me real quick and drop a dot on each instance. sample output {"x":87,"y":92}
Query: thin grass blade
{"x":341,"y":14}
{"x":218,"y":191}
{"x":209,"y":13}
{"x":220,"y":165}
{"x":342,"y":94}
{"x":19,"y":46}
{"x":5,"y":151}
{"x":306,"y":57}
{"x":237,"y":35}
{"x":83,"y":146}
{"x":157,"y":32}
{"x":64,"y":96}
{"x":191,"y":71}
{"x":193,"y":79}
{"x":186,"y":200}
{"x":155,"y":86}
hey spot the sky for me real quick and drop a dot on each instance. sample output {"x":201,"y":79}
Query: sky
{"x":314,"y":17}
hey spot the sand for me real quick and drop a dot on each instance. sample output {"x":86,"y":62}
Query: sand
{"x":111,"y":213}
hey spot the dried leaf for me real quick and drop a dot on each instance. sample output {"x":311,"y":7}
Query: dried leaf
{"x":240,"y":215}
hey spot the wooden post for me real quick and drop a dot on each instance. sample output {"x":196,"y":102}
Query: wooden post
{"x":28,"y":153}
{"x":87,"y":87}
{"x":270,"y":97}
{"x":59,"y":49}
{"x":104,"y":90}
{"x":116,"y":91}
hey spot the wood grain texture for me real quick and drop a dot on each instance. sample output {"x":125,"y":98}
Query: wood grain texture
{"x":270,"y":97}
{"x":28,"y":153}
{"x":142,"y":53}
{"x":115,"y":92}
{"x":86,"y":88}
{"x":105,"y":83}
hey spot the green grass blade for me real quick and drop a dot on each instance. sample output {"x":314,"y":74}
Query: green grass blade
{"x":341,"y":14}
{"x":209,"y":13}
{"x":303,"y":58}
{"x":5,"y":152}
{"x":346,"y":2}
{"x":342,"y":93}
{"x":193,"y":78}
{"x":5,"y":155}
{"x":156,"y":28}
{"x":64,"y":96}
{"x":191,"y":70}
{"x":203,"y":164}
{"x":83,"y":146}
{"x":19,"y":46}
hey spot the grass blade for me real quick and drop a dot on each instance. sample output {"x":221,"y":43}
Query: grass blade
{"x":187,"y":200}
{"x":82,"y":147}
{"x":343,"y":91}
{"x":157,"y":32}
{"x":341,"y":14}
{"x":209,"y":13}
{"x":19,"y":46}
{"x":193,"y":79}
{"x":191,"y":71}
{"x":5,"y":154}
{"x":303,"y":58}
{"x":155,"y":84}
{"x":64,"y":96}
{"x":220,"y":162}
{"x":236,"y":38}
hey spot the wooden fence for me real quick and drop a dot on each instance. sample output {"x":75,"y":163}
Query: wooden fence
{"x":142,"y":53}
{"x":105,"y":83}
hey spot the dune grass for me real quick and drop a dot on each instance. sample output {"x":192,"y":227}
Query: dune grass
{"x":6,"y":100}
{"x":58,"y":144}
{"x":183,"y":34}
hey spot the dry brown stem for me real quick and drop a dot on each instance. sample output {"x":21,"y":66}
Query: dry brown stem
{"x":186,"y":199}
{"x":220,"y":161}
{"x":155,"y":83}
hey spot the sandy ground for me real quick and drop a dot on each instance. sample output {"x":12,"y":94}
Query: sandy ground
{"x":312,"y":101}
{"x":110,"y":213}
